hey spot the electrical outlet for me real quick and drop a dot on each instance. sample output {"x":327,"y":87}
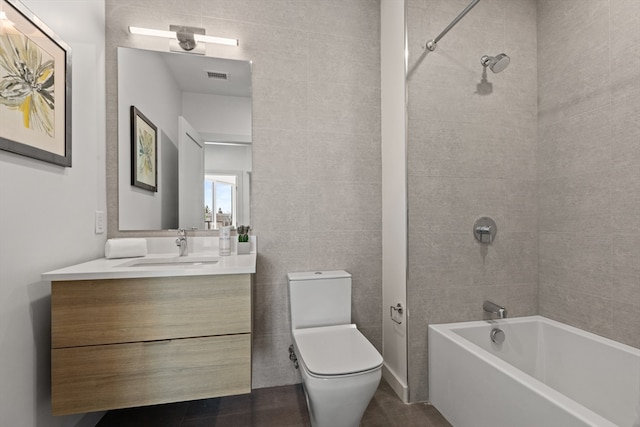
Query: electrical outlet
{"x":99,"y":222}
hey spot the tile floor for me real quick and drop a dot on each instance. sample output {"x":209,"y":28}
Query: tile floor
{"x":270,"y":407}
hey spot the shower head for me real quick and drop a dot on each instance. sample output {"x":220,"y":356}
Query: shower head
{"x":496,"y":63}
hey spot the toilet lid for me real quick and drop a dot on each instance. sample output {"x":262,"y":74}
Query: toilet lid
{"x":336,"y":350}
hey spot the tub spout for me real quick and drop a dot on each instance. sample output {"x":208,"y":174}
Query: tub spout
{"x":496,"y":309}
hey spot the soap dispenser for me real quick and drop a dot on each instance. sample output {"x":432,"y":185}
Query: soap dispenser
{"x":225,"y":240}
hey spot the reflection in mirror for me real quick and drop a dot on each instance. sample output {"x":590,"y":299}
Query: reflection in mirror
{"x":202,"y":109}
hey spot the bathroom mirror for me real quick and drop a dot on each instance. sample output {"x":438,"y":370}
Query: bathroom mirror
{"x":201,"y":150}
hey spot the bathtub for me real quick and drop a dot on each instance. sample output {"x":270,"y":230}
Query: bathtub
{"x":545,"y":373}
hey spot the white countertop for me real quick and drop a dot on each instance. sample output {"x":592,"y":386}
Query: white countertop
{"x":121,"y":268}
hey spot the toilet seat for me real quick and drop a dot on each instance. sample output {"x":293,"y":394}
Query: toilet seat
{"x":335,"y":350}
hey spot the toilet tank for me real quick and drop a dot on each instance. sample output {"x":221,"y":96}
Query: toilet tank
{"x":319,"y":298}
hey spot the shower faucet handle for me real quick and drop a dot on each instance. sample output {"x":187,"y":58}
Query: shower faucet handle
{"x":485,"y":233}
{"x":484,"y":230}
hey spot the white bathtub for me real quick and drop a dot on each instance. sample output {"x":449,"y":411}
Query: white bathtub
{"x":544,"y":374}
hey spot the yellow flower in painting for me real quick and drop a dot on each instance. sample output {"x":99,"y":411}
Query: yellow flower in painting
{"x":26,"y":83}
{"x":145,"y":153}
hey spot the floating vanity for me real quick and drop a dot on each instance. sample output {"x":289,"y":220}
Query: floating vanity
{"x":150,"y":330}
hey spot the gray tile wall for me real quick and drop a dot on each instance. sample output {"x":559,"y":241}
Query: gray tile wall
{"x":470,"y":155}
{"x":589,"y":165}
{"x":316,"y":199}
{"x":570,"y":164}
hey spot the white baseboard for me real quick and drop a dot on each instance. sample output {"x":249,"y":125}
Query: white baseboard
{"x":397,"y":384}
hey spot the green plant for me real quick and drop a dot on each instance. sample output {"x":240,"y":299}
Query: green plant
{"x":243,"y":233}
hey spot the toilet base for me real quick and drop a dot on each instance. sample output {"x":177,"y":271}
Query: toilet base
{"x":339,"y":401}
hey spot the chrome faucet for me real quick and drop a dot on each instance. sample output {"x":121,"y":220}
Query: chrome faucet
{"x":496,"y":309}
{"x":181,"y":242}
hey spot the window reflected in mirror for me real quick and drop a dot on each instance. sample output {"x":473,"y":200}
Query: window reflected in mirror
{"x":220,"y":192}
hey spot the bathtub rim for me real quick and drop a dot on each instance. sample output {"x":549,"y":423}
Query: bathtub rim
{"x":523,"y":319}
{"x":447,"y":330}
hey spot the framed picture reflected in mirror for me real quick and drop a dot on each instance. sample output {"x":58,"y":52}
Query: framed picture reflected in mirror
{"x":144,"y":151}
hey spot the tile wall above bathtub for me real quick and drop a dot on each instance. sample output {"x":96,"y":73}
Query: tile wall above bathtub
{"x":589,"y":165}
{"x":471,"y":154}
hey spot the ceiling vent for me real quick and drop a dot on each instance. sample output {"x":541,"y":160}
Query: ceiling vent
{"x":218,"y":75}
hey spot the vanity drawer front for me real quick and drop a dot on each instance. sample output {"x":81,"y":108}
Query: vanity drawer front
{"x":92,"y":312}
{"x":96,"y":378}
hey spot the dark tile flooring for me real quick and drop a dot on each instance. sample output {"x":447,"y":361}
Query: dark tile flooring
{"x":270,"y":407}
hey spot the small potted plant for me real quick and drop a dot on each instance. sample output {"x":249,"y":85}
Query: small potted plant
{"x":243,"y":239}
{"x":207,"y":217}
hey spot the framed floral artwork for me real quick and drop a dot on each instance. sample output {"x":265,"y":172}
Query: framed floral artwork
{"x":144,"y":149}
{"x":35,"y":87}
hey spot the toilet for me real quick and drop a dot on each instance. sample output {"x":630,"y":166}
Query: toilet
{"x":340,"y":368}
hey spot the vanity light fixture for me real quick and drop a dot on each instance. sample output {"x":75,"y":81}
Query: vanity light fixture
{"x":184,"y":39}
{"x":231,"y":143}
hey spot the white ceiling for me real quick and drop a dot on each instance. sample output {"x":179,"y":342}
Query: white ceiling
{"x":190,"y":72}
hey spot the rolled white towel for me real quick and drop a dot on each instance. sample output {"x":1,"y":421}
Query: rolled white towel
{"x":125,"y":248}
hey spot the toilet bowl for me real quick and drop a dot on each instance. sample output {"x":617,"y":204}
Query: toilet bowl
{"x":340,"y":368}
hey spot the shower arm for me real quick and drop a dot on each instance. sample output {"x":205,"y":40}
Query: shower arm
{"x":431,"y":44}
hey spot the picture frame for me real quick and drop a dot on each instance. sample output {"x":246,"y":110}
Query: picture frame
{"x":144,"y":151}
{"x":35,"y":99}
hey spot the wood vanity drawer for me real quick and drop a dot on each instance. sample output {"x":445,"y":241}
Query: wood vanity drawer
{"x":96,"y":378}
{"x":92,"y":312}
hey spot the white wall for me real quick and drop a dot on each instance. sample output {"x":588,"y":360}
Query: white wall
{"x":227,"y":157}
{"x":394,"y":193}
{"x":218,"y":117}
{"x":47,"y":219}
{"x":141,"y":209}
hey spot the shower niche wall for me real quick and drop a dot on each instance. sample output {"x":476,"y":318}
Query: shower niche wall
{"x":471,"y":152}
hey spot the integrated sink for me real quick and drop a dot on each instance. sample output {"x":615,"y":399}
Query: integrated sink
{"x":180,"y":262}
